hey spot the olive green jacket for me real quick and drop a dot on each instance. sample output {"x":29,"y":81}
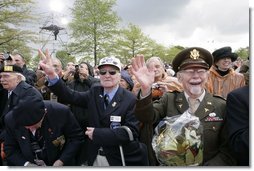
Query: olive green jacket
{"x":216,"y":151}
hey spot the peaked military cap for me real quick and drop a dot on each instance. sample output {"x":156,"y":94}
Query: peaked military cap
{"x":223,"y":53}
{"x":192,"y":58}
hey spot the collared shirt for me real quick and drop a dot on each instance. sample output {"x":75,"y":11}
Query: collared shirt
{"x":112,"y":93}
{"x":53,"y":81}
{"x":194,"y":103}
{"x":9,"y":93}
{"x":200,"y":98}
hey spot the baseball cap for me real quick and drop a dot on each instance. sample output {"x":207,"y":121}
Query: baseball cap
{"x":111,"y":60}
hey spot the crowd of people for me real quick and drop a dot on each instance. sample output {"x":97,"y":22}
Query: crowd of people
{"x":115,"y":114}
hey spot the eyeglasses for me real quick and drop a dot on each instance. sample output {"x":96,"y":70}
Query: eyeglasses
{"x":111,"y":72}
{"x":192,"y":72}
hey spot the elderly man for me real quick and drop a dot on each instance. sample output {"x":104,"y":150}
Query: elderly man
{"x":41,"y":133}
{"x":109,"y":106}
{"x":191,"y":65}
{"x":14,"y":86}
{"x":13,"y":80}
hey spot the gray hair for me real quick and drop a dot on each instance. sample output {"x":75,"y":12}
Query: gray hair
{"x":23,"y":78}
{"x":154,"y":58}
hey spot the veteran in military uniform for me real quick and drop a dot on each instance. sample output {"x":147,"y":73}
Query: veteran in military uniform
{"x":191,"y":66}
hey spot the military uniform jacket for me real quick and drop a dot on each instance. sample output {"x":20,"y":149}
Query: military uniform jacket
{"x":216,"y":150}
{"x":122,"y":105}
{"x":61,"y":133}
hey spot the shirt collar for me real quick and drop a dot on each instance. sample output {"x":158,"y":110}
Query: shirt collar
{"x":200,"y":98}
{"x":111,"y":93}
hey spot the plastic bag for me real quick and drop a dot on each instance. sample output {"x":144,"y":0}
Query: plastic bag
{"x":178,"y":141}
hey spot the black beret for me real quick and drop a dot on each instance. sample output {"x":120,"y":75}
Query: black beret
{"x":223,"y":53}
{"x":192,"y":58}
{"x":11,"y":68}
{"x":29,"y":110}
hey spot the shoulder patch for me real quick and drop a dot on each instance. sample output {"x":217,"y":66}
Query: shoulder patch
{"x":220,"y":97}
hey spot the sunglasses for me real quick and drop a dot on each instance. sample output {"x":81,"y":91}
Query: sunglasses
{"x":111,"y":72}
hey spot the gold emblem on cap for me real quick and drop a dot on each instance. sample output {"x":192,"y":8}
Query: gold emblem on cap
{"x":8,"y":68}
{"x":194,"y":54}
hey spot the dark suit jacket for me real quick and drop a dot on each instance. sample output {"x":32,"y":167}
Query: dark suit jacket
{"x":20,"y":91}
{"x":216,"y":151}
{"x":59,"y":121}
{"x":122,"y":105}
{"x":3,"y":100}
{"x":238,"y":123}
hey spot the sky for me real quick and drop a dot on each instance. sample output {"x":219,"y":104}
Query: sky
{"x":210,"y":24}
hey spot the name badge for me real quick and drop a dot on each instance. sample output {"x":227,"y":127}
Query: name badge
{"x":115,"y":118}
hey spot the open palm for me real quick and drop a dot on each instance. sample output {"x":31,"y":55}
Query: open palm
{"x":144,"y":76}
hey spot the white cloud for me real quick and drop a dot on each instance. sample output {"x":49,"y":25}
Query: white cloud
{"x":207,"y":23}
{"x":210,"y":24}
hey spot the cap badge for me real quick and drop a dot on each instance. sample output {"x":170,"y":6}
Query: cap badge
{"x":194,"y":54}
{"x":8,"y":68}
{"x":108,"y":60}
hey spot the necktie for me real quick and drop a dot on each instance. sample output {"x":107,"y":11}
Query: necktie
{"x":9,"y":94}
{"x":8,"y":103}
{"x":38,"y":135}
{"x":106,"y":100}
{"x":193,"y":105}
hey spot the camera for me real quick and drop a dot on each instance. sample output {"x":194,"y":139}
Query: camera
{"x":36,"y":149}
{"x":7,"y":56}
{"x":76,"y":72}
{"x":76,"y":68}
{"x":155,"y":86}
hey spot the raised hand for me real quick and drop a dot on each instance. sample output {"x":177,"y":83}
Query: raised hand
{"x":46,"y":64}
{"x":144,"y":76}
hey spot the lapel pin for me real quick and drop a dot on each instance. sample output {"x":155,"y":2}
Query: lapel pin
{"x":210,"y":103}
{"x":113,"y":104}
{"x":212,"y":114}
{"x":23,"y":137}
